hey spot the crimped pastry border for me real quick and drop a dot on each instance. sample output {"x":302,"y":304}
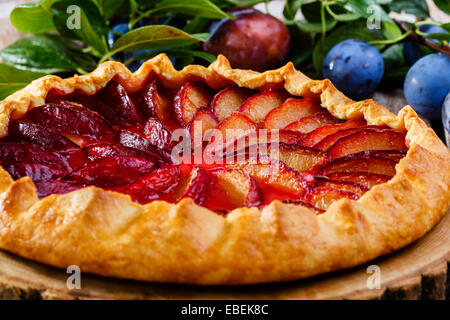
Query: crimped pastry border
{"x":106,"y":233}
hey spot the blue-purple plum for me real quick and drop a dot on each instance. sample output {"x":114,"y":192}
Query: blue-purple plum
{"x":427,"y":83}
{"x":355,"y":67}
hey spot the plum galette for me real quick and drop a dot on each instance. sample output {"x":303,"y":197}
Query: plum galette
{"x":211,"y":175}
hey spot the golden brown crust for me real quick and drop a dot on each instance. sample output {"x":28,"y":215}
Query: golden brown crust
{"x":106,"y":233}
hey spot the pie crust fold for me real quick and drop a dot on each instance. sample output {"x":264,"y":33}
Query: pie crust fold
{"x":106,"y":233}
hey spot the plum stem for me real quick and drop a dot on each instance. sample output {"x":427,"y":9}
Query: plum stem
{"x":322,"y":20}
{"x":444,"y":48}
{"x":391,"y":41}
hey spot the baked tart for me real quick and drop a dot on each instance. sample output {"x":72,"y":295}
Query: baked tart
{"x":212,"y":175}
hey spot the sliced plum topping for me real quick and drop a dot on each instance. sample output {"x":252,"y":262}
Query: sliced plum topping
{"x":347,"y":186}
{"x":157,"y":134}
{"x":78,"y":159}
{"x":107,"y":150}
{"x":290,"y":137}
{"x":191,"y":96}
{"x":273,"y":173}
{"x":291,"y":110}
{"x":317,"y":135}
{"x":94,"y":104}
{"x":395,"y":155}
{"x":323,"y":197}
{"x":370,"y":164}
{"x":22,"y":152}
{"x":159,"y":185}
{"x":35,"y":171}
{"x":137,"y":141}
{"x":112,"y":171}
{"x":228,"y":101}
{"x":328,"y":141}
{"x":300,"y":158}
{"x":365,"y":140}
{"x":310,"y":123}
{"x":48,"y":187}
{"x":236,"y":188}
{"x":152,"y":103}
{"x":225,"y":149}
{"x":115,"y":96}
{"x":258,"y":106}
{"x":70,"y":120}
{"x":365,"y":179}
{"x":203,"y":121}
{"x":35,"y":133}
{"x":198,"y":186}
{"x":232,"y":128}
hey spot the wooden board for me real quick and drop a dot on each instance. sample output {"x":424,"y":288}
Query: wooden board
{"x":418,"y":271}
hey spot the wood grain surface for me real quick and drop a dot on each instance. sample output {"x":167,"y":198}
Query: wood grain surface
{"x":419,"y":271}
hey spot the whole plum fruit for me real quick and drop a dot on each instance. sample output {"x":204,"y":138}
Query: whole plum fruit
{"x":427,"y":83}
{"x":412,"y":50}
{"x":355,"y":67}
{"x":446,"y":113}
{"x":253,"y":40}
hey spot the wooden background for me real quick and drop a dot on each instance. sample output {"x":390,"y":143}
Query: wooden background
{"x":419,"y":271}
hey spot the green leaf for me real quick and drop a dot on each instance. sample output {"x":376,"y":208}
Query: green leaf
{"x":311,"y":12}
{"x":344,"y":15}
{"x":439,"y":36}
{"x":196,"y":24}
{"x":244,"y":3}
{"x":390,"y":30}
{"x":12,"y":79}
{"x":365,"y":8}
{"x":89,"y":11}
{"x":39,"y":54}
{"x":444,"y":5}
{"x":416,"y":7}
{"x":197,"y":8}
{"x":109,"y":7}
{"x":84,"y":62}
{"x":91,"y":24}
{"x":355,"y":30}
{"x":175,"y":53}
{"x":133,"y":7}
{"x":395,"y":66}
{"x":446,"y":26}
{"x":156,"y":37}
{"x":314,"y":27}
{"x":291,"y":7}
{"x":33,"y":17}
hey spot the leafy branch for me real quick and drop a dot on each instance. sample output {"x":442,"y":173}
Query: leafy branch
{"x":416,"y":35}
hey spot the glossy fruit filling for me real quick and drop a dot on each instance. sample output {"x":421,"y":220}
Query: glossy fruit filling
{"x":227,"y":148}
